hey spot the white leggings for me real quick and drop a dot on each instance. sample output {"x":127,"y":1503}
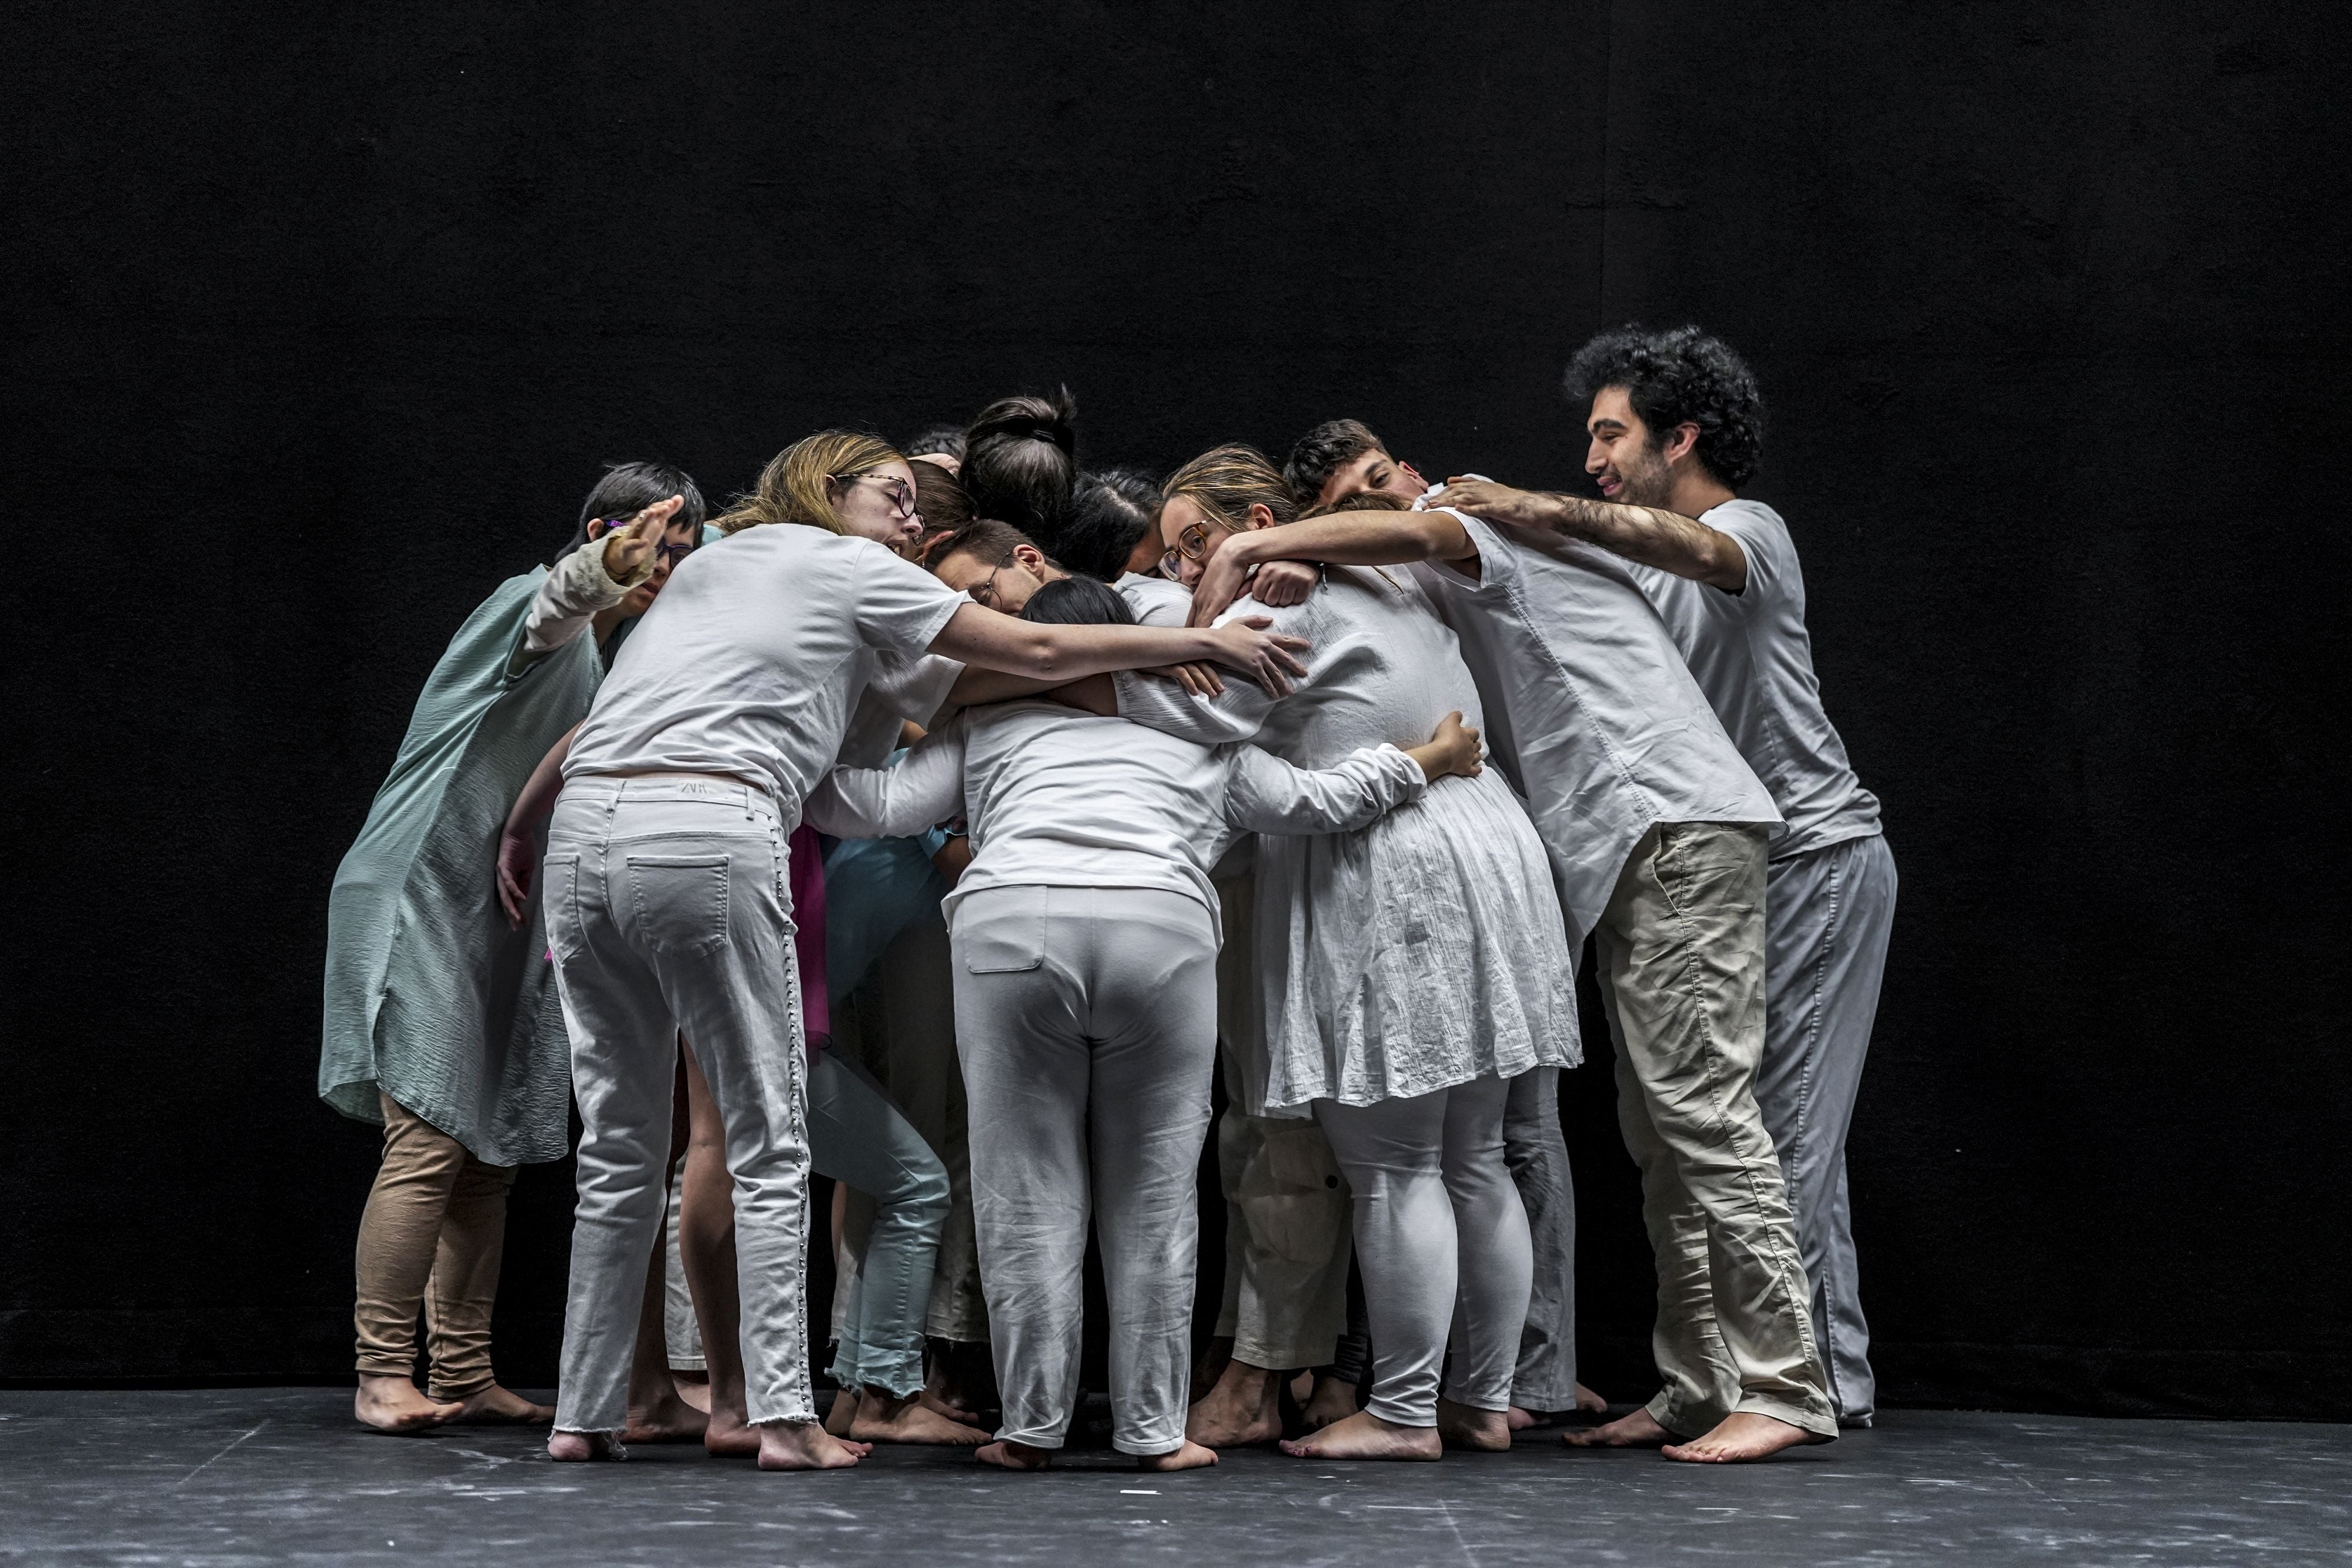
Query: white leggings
{"x":1441,"y":1239}
{"x":1087,"y":1018}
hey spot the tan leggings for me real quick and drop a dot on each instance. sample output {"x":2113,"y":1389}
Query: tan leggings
{"x":433,"y":1231}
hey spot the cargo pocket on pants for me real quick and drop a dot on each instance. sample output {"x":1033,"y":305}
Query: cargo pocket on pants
{"x":1294,"y":1207}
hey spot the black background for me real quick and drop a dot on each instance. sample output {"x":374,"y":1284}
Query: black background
{"x":322,"y":322}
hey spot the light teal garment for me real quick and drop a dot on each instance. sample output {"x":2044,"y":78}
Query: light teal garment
{"x":429,"y":995}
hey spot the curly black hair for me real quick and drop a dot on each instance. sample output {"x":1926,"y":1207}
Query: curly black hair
{"x":1681,"y":376}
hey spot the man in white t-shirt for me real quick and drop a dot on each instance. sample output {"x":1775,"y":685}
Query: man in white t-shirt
{"x":1658,"y":831}
{"x":1676,"y":423}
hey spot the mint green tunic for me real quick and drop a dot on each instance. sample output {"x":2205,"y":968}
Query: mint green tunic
{"x":430,"y":997}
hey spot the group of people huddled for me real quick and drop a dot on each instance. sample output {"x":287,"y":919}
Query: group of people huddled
{"x":947,"y":820}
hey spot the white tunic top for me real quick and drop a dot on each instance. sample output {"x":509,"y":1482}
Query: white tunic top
{"x":749,"y":661}
{"x":1059,"y":798}
{"x":1426,"y":949}
{"x":1751,"y":655}
{"x":1591,"y":709}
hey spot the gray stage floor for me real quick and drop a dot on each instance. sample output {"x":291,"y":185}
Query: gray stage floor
{"x":252,"y":1476}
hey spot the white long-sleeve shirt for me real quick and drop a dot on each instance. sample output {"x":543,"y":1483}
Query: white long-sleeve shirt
{"x":1063,"y":798}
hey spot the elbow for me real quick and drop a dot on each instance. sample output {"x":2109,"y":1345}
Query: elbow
{"x":1041,"y":654}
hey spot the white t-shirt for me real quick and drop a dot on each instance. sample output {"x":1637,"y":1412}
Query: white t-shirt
{"x":1059,"y":798}
{"x":1751,"y":655}
{"x":751,"y":660}
{"x":1155,"y":601}
{"x":1590,"y":709}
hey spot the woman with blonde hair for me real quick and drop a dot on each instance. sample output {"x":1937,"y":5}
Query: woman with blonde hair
{"x":1409,"y":970}
{"x":665,"y":883}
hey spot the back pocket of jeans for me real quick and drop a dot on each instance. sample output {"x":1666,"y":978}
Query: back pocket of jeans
{"x":679,"y":903}
{"x":1001,"y":930}
{"x":558,"y":881}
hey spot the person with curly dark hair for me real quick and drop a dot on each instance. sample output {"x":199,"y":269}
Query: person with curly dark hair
{"x":1657,"y":830}
{"x":1676,"y":425}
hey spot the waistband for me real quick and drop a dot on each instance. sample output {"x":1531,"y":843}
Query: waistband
{"x":715,"y":788}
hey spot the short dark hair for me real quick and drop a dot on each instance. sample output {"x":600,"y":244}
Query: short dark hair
{"x":1681,"y":376}
{"x":1078,"y":602}
{"x":630,"y":487}
{"x":1021,"y":459}
{"x":1323,"y":452}
{"x":992,"y":541}
{"x":940,"y":501}
{"x":1110,"y":512}
{"x":1360,"y":501}
{"x":945,"y":440}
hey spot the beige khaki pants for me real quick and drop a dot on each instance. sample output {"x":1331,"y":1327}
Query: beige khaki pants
{"x":1287,"y":1208}
{"x":433,"y":1230}
{"x":1681,"y":971}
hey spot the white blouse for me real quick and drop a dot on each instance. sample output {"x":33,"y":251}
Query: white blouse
{"x":1065,"y":798}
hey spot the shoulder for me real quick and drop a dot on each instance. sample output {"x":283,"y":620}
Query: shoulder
{"x":1763,"y":538}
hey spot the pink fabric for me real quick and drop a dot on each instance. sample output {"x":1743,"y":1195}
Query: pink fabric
{"x":808,"y":877}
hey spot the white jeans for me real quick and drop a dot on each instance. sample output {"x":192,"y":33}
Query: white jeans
{"x":667,"y":910}
{"x":1087,"y":1020}
{"x":1442,"y":1243}
{"x":1827,"y":917}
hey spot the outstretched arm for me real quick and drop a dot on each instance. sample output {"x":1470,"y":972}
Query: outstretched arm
{"x":1267,"y":795}
{"x":921,"y":790}
{"x":1651,"y":534}
{"x":1058,"y":654}
{"x":1339,"y":539}
{"x":596,"y":576}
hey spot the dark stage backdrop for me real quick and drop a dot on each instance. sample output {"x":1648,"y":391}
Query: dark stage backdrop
{"x":324,"y":320}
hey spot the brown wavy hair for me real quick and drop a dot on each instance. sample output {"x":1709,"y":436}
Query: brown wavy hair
{"x":1224,"y":481}
{"x":791,"y":487}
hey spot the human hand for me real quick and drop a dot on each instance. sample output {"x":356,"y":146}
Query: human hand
{"x":517,"y":860}
{"x":630,"y":545}
{"x":1453,"y":749}
{"x":1200,"y":680}
{"x":1269,"y":658}
{"x":1281,"y":583}
{"x":1498,"y":503}
{"x":1222,"y":580}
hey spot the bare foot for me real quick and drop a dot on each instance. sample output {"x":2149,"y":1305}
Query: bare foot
{"x":843,"y":1415}
{"x":1742,"y":1437}
{"x":1635,"y":1431}
{"x":730,"y":1438}
{"x":496,"y":1406}
{"x":669,"y":1420}
{"x":963,"y":1382}
{"x":1466,"y":1427}
{"x":1190,"y":1457}
{"x":694,"y":1387}
{"x":1244,"y":1407}
{"x":1518,"y":1418}
{"x":880,"y":1418}
{"x":1008,"y":1454}
{"x":1588,"y":1402}
{"x":579,"y":1448}
{"x":390,"y":1403}
{"x":806,"y":1446}
{"x":1334,"y":1399}
{"x":1365,"y":1436}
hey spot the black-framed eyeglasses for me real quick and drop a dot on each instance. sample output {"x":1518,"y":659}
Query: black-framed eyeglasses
{"x":901,"y":494}
{"x":984,"y":592}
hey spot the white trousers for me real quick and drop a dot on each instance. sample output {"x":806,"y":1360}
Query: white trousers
{"x":1827,"y":917}
{"x":1441,"y":1239}
{"x":1087,"y":1022}
{"x":667,"y":910}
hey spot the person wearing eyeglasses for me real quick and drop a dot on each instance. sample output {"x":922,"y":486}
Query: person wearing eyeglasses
{"x":439,"y":1021}
{"x":1410,"y":970}
{"x":667,"y":906}
{"x":1085,"y":935}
